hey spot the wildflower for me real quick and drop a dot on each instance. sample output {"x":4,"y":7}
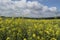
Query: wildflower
{"x":8,"y":38}
{"x":34,"y":35}
{"x":25,"y":39}
{"x":35,"y":25}
{"x":47,"y":32}
{"x":53,"y":39}
{"x":38,"y":37}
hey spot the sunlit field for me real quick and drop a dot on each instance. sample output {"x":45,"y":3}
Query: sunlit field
{"x":29,"y":29}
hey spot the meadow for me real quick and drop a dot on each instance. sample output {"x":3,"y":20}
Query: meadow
{"x":29,"y":29}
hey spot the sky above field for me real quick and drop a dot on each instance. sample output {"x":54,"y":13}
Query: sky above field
{"x":30,"y":8}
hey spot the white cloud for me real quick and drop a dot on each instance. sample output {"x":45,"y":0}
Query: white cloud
{"x":53,"y":9}
{"x":24,"y":8}
{"x":5,"y":0}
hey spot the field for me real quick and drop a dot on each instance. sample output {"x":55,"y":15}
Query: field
{"x":29,"y":29}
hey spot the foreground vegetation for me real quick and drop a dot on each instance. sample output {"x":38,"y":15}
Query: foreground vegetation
{"x":29,"y":29}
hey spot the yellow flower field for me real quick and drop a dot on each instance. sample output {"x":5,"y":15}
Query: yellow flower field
{"x":29,"y":29}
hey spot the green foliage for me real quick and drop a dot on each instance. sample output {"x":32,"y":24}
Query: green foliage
{"x":29,"y":29}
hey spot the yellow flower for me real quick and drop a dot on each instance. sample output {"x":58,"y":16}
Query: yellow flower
{"x":25,"y":39}
{"x":34,"y":35}
{"x":38,"y":37}
{"x":0,"y":18}
{"x":47,"y":32}
{"x":53,"y":39}
{"x":35,"y":25}
{"x":8,"y":38}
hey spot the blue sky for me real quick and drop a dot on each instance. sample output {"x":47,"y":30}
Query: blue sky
{"x":30,"y":8}
{"x":50,"y":3}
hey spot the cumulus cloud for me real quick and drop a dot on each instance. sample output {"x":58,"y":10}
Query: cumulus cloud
{"x":25,"y":8}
